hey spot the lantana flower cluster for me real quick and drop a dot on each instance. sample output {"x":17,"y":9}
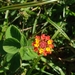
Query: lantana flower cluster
{"x":43,"y":44}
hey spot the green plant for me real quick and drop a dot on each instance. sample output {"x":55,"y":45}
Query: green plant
{"x":21,"y":21}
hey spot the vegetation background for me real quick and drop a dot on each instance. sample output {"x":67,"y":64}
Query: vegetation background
{"x":34,"y":17}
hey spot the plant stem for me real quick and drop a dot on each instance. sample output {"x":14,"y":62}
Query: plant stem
{"x":5,"y":73}
{"x":34,"y":64}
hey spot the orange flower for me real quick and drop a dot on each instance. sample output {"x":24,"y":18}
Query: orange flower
{"x":37,"y":37}
{"x":47,"y":38}
{"x":35,"y":49}
{"x":51,"y":46}
{"x":43,"y":37}
{"x":45,"y":53}
{"x":43,"y":44}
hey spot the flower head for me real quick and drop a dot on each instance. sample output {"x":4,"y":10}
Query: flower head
{"x":43,"y":44}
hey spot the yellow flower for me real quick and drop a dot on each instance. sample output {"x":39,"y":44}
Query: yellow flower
{"x":36,"y":45}
{"x":49,"y":41}
{"x":41,"y":50}
{"x":47,"y":49}
{"x":37,"y":40}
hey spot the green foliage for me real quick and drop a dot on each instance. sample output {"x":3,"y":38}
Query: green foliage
{"x":16,"y":59}
{"x":13,"y":32}
{"x":21,"y":20}
{"x":11,"y":46}
{"x":17,"y":43}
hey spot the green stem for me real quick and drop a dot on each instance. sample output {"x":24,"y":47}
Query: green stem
{"x":34,"y":64}
{"x":6,"y":15}
{"x":5,"y":73}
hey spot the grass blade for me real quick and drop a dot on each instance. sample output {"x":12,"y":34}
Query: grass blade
{"x":55,"y":67}
{"x":58,"y":28}
{"x":25,"y":5}
{"x":56,"y":33}
{"x":34,"y":25}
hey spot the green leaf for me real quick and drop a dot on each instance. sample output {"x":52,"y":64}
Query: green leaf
{"x":9,"y":57}
{"x":1,"y":69}
{"x":15,"y":63}
{"x":27,"y":53}
{"x":23,"y":40}
{"x":1,"y":47}
{"x":13,"y":32}
{"x":11,"y":45}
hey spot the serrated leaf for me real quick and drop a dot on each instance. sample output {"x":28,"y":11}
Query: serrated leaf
{"x":11,"y":46}
{"x":31,"y":53}
{"x":9,"y":57}
{"x":24,"y":55}
{"x":15,"y":63}
{"x":27,"y":54}
{"x":23,"y":40}
{"x":13,"y":32}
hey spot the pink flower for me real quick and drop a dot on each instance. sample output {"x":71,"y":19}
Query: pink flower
{"x":43,"y":37}
{"x":47,"y":38}
{"x":37,"y":37}
{"x":43,"y":44}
